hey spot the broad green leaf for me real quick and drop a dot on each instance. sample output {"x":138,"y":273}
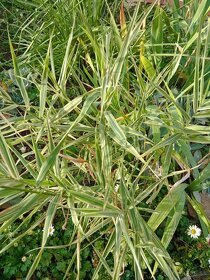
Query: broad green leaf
{"x":10,"y":185}
{"x":133,"y":31}
{"x":10,"y":199}
{"x":37,"y":154}
{"x":186,"y":150}
{"x":34,"y":265}
{"x":107,"y":250}
{"x":197,"y":138}
{"x":106,"y":156}
{"x":19,"y":237}
{"x":167,"y":159}
{"x":91,"y":212}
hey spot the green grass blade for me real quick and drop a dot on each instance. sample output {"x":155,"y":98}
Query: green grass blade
{"x":131,"y":246}
{"x":173,"y":221}
{"x":34,"y":265}
{"x":201,"y":11}
{"x":165,"y":206}
{"x":18,"y":77}
{"x":48,"y":222}
{"x":51,"y":210}
{"x":71,"y":105}
{"x":25,"y":163}
{"x":198,"y":207}
{"x":63,"y":74}
{"x":157,"y":30}
{"x":50,"y":161}
{"x":196,"y":185}
{"x":8,"y":159}
{"x":43,"y":86}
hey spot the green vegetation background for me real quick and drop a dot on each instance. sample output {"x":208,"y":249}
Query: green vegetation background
{"x":104,"y":134}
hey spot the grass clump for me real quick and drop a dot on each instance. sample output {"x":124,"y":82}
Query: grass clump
{"x":111,"y":127}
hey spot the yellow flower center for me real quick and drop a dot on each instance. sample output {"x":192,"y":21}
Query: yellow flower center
{"x":193,"y":231}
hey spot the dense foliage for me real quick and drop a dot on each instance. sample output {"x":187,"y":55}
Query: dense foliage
{"x":104,"y":137}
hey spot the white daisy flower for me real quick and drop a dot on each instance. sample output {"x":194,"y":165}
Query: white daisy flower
{"x":194,"y":231}
{"x":208,"y":239}
{"x":51,"y":230}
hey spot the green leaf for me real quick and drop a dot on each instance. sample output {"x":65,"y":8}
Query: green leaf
{"x":50,"y":161}
{"x":196,"y":184}
{"x":43,"y":86}
{"x":8,"y":216}
{"x":64,"y":69}
{"x":165,"y":206}
{"x":198,"y":207}
{"x":201,"y":11}
{"x":48,"y":222}
{"x":51,"y":210}
{"x":24,"y":162}
{"x":8,"y":159}
{"x":18,"y":76}
{"x":71,"y":105}
{"x":94,"y":201}
{"x":173,"y":221}
{"x":119,"y":136}
{"x":157,"y":30}
{"x":147,"y":65}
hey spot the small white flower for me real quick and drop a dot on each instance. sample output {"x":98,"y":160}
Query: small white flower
{"x":194,"y":231}
{"x":209,"y":262}
{"x":51,"y":230}
{"x":24,"y":259}
{"x":208,"y":239}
